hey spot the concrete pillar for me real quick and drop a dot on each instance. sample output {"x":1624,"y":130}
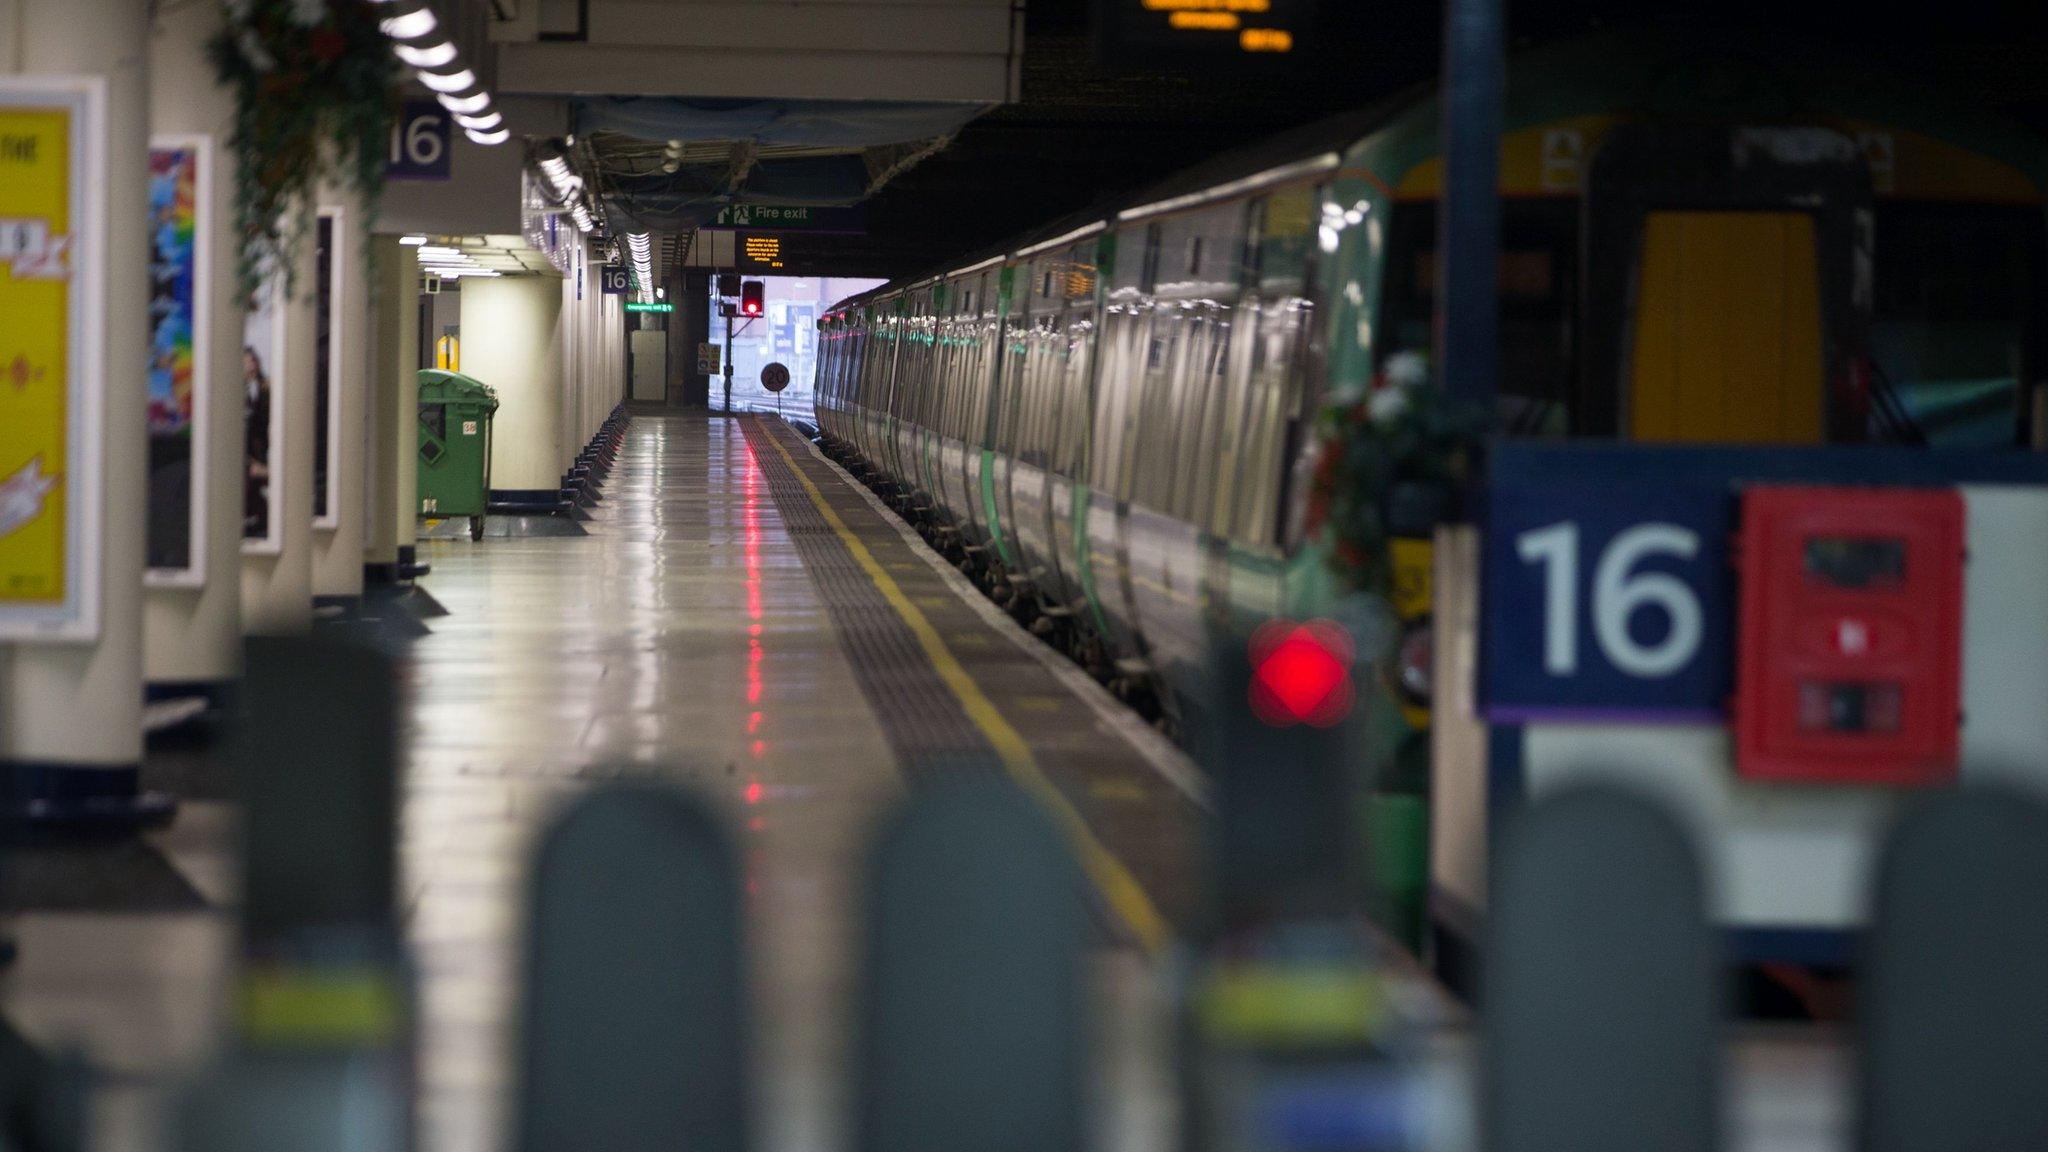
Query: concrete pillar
{"x":511,"y":341}
{"x":392,"y":376}
{"x":338,"y":537}
{"x":277,"y":579}
{"x":71,"y":713}
{"x":192,"y":636}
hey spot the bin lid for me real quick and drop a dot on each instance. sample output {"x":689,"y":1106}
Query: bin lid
{"x":440,"y":386}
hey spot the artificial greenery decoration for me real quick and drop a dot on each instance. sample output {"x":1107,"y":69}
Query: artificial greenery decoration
{"x":1405,"y":438}
{"x":315,"y":87}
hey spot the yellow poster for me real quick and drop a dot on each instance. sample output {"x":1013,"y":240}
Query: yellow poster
{"x":40,"y":207}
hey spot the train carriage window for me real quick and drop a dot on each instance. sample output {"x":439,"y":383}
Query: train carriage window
{"x":1538,"y":285}
{"x":1199,"y":278}
{"x":1268,"y":395}
{"x":1125,"y":313}
{"x":1954,"y":326}
{"x":1076,"y":345}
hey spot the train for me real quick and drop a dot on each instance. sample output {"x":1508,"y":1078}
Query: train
{"x":1122,"y":421}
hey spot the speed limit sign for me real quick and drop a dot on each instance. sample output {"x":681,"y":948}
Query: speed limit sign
{"x":775,"y":377}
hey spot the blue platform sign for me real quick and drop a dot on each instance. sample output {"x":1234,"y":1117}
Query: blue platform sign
{"x":1604,"y":601}
{"x":419,"y":143}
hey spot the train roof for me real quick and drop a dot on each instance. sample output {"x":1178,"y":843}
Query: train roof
{"x":1663,"y":72}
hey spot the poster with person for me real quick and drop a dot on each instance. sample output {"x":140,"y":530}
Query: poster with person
{"x":263,"y":383}
{"x":178,"y":191}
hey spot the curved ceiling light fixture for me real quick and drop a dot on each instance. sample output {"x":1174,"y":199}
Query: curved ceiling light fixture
{"x":419,"y":41}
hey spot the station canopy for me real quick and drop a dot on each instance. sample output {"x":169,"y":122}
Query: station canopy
{"x":669,"y":164}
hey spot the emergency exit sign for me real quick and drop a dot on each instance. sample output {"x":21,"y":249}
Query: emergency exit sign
{"x":646,"y":306}
{"x":790,"y":218}
{"x":1152,"y":33}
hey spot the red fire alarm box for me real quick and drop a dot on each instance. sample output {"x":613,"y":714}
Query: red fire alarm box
{"x":1850,"y":663}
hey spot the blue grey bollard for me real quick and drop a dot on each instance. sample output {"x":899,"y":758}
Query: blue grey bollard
{"x":306,"y":1102}
{"x":1602,"y":990}
{"x":635,"y":1005}
{"x":973,"y":1015}
{"x":316,"y":768}
{"x":1954,"y":1002}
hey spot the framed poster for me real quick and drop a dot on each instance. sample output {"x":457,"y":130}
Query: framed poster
{"x":264,"y":380}
{"x":180,"y":185}
{"x":327,"y":295}
{"x":52,"y":372}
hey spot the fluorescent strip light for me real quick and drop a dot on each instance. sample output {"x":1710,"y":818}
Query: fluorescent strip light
{"x":497,"y":137}
{"x":472,"y":103}
{"x":433,"y":56}
{"x":448,"y":82}
{"x":483,"y":123}
{"x":410,"y":26}
{"x":412,"y":240}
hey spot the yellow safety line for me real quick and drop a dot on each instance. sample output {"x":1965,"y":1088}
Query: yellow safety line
{"x":1118,"y":886}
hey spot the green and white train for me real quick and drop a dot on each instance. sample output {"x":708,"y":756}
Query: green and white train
{"x":1115,"y":419}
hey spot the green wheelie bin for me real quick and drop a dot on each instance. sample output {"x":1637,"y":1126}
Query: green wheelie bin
{"x":455,"y":446}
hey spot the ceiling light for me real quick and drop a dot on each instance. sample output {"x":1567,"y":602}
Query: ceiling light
{"x":497,"y":137}
{"x":483,"y":123}
{"x":413,"y":240}
{"x":449,"y":82}
{"x":476,"y":102}
{"x":410,"y":26}
{"x":432,"y":56}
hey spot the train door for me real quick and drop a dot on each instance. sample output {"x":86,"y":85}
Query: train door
{"x":1727,"y":287}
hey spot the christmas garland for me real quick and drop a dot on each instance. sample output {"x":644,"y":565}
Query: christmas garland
{"x":1405,"y":442}
{"x":315,"y":87}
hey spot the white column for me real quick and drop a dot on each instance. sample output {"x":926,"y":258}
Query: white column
{"x":193,"y":636}
{"x":510,"y":341}
{"x":395,"y":348}
{"x":77,"y":708}
{"x":338,"y":549}
{"x":277,"y":588}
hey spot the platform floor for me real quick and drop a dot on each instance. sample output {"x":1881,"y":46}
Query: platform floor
{"x":744,"y":620}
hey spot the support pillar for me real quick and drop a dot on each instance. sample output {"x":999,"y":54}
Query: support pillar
{"x":192,"y":636}
{"x":71,"y":713}
{"x":394,"y":390}
{"x":277,"y":586}
{"x":511,"y":342}
{"x":338,"y":538}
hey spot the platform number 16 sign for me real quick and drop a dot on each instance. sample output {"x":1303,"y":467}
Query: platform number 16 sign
{"x":419,"y":143}
{"x":1606,"y":604}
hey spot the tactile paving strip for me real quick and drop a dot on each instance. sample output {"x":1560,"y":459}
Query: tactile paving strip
{"x":923,"y":720}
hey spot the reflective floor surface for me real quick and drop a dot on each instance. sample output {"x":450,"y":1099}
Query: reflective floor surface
{"x":706,"y":632}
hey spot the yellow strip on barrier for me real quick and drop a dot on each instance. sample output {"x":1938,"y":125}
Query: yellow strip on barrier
{"x":298,"y":1007}
{"x":1114,"y":880}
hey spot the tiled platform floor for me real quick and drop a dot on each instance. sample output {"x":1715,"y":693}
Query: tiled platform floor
{"x":688,"y":637}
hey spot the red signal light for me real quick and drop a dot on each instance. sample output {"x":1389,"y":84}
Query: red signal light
{"x":1301,"y":673}
{"x":752,"y":301}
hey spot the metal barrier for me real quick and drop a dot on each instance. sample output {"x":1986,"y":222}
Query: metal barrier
{"x":1602,"y":1004}
{"x":635,"y":1004}
{"x":973,"y":1014}
{"x":1955,"y":997}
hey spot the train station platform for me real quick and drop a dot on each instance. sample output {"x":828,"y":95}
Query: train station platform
{"x":741,"y":618}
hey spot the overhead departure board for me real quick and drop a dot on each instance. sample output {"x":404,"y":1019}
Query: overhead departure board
{"x":1153,"y":33}
{"x":758,"y":253}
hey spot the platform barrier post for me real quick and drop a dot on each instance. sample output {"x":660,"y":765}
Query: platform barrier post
{"x":319,"y":1055}
{"x":635,"y":1007}
{"x":973,"y":1017}
{"x":1954,"y":1005}
{"x":1602,"y":996}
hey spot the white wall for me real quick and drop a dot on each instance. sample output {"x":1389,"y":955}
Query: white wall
{"x":511,"y":340}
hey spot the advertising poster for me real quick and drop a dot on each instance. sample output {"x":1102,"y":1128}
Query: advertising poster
{"x":51,"y":155}
{"x":326,"y":366}
{"x":177,"y":363}
{"x":263,"y":383}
